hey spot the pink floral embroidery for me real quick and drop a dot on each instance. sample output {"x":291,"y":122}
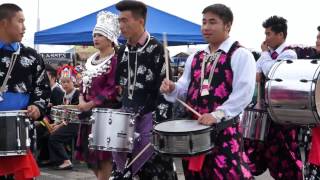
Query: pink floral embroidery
{"x":194,"y":62}
{"x":245,"y":172}
{"x":197,"y":74}
{"x":225,"y":144}
{"x":232,"y":130}
{"x":234,"y":146}
{"x":222,"y":58}
{"x":218,"y":174}
{"x":221,"y":91}
{"x":220,"y":161}
{"x":233,"y":175}
{"x":195,"y":94}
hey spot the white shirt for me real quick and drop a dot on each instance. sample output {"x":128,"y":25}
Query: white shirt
{"x":243,"y":84}
{"x":265,"y":62}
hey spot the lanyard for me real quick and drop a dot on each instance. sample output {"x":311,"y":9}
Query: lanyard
{"x":205,"y":63}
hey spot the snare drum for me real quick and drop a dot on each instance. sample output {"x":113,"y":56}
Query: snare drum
{"x":112,"y":130}
{"x":14,"y":133}
{"x":57,"y":113}
{"x":68,"y":113}
{"x":255,"y":124}
{"x":182,"y":138}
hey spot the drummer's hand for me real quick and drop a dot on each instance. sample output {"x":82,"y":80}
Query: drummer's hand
{"x":207,"y":119}
{"x":56,"y":127}
{"x":167,"y":86}
{"x":85,"y":106}
{"x":264,"y":46}
{"x":119,"y":90}
{"x":33,"y":112}
{"x":258,"y":105}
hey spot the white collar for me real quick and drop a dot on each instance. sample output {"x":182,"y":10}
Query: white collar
{"x":224,"y":46}
{"x":54,"y":86}
{"x":69,"y":96}
{"x":280,"y":48}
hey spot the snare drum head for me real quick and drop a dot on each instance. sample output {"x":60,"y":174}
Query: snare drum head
{"x":180,"y":126}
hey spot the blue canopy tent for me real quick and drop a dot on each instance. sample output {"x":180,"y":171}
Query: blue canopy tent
{"x":79,"y":31}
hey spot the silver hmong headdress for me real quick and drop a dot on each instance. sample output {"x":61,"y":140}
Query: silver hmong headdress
{"x":108,"y":26}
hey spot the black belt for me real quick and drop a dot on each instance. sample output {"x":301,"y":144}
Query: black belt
{"x":218,"y":127}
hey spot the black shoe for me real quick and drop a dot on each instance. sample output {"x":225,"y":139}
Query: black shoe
{"x":44,"y":163}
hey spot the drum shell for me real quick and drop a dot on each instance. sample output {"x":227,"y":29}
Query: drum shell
{"x":255,"y":124}
{"x":183,"y":144}
{"x":14,"y":135}
{"x":112,"y":130}
{"x":68,"y":113}
{"x":292,"y":94}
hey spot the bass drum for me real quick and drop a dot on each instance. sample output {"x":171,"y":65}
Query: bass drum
{"x":292,"y":92}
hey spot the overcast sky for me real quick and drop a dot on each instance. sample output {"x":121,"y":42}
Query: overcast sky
{"x":302,"y":16}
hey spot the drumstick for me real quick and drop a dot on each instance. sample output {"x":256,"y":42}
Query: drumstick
{"x":165,"y":45}
{"x":138,"y":155}
{"x":188,"y":107}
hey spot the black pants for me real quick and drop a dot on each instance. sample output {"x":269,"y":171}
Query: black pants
{"x":42,"y":143}
{"x":7,"y":177}
{"x":58,"y":139}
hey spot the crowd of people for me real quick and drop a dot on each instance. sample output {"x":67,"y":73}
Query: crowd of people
{"x":218,"y":82}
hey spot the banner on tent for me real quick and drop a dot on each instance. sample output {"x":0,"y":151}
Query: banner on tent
{"x":57,"y":58}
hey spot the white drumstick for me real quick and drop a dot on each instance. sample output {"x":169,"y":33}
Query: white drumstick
{"x":188,"y":107}
{"x":165,"y":45}
{"x":138,"y":155}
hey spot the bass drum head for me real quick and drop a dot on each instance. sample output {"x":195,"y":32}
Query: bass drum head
{"x":177,"y":126}
{"x":292,"y":92}
{"x":317,"y":92}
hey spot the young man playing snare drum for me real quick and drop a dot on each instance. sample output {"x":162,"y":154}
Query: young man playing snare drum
{"x":24,"y":85}
{"x":220,"y":82}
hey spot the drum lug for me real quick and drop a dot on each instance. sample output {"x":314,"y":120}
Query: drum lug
{"x":132,"y":122}
{"x":278,"y":80}
{"x":303,"y":80}
{"x":130,"y":140}
{"x":136,"y":135}
{"x":90,"y":138}
{"x":108,"y":140}
{"x":314,"y":61}
{"x":91,"y":120}
{"x":110,"y":121}
{"x":27,"y":124}
{"x":289,"y":61}
{"x":18,"y":133}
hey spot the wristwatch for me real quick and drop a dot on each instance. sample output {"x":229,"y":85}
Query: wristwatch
{"x":219,"y":115}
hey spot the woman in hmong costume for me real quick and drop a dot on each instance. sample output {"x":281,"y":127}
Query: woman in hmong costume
{"x":98,"y":89}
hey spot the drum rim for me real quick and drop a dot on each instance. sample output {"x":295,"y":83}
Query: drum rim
{"x":12,"y":113}
{"x":183,"y":154}
{"x":13,"y":153}
{"x":208,"y":128}
{"x":107,"y":110}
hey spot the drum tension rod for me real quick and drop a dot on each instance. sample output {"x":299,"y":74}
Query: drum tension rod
{"x":314,"y":61}
{"x":289,"y":61}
